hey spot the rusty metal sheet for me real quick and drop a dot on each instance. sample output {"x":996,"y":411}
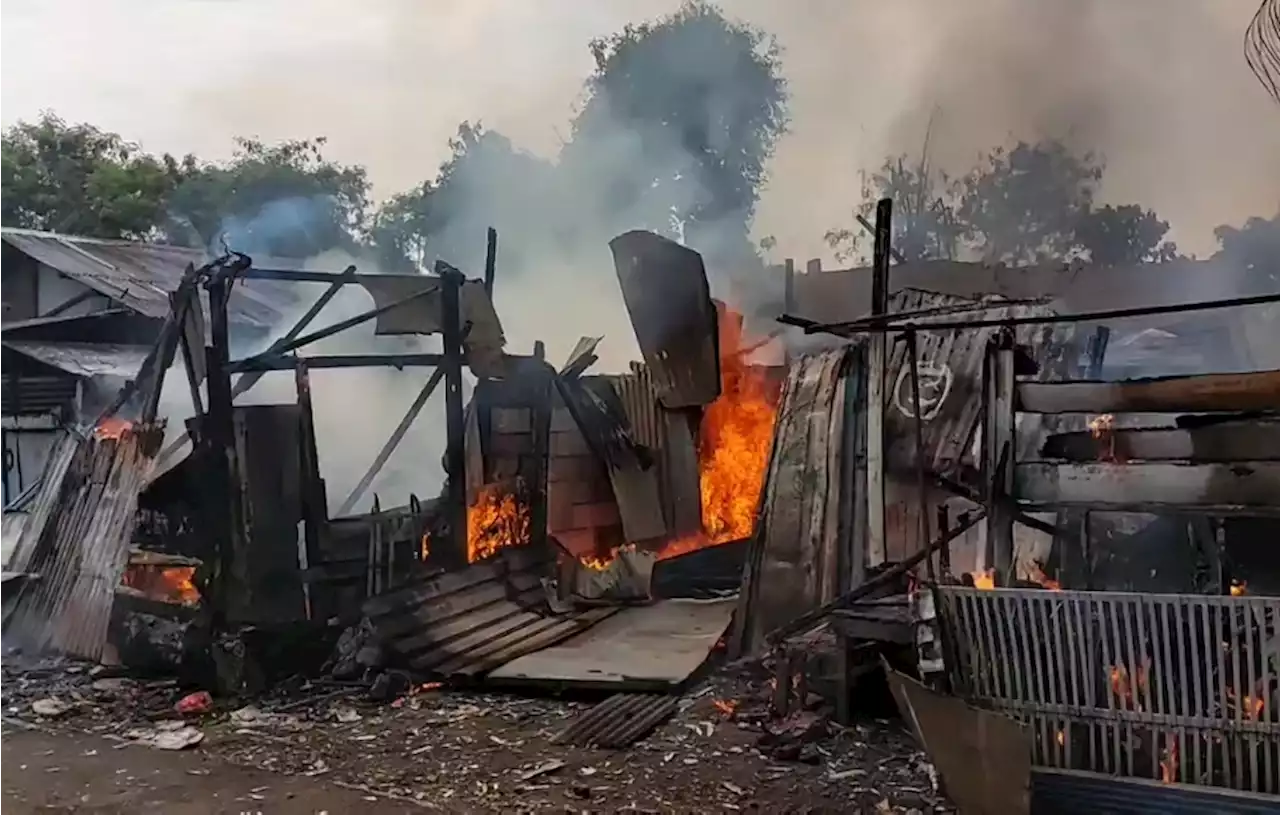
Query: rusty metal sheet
{"x":665,"y":288}
{"x":619,"y":721}
{"x":83,"y":359}
{"x":641,"y":648}
{"x":792,"y":568}
{"x":950,"y":370}
{"x":467,"y":622}
{"x":483,"y":339}
{"x":983,"y":757}
{"x":143,"y":275}
{"x":81,"y":548}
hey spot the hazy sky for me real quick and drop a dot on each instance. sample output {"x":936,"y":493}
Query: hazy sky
{"x":1161,"y":88}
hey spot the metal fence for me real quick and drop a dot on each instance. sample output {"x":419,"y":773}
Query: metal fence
{"x":1179,"y":688}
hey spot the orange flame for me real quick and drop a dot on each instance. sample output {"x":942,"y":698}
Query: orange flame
{"x":494,"y":521}
{"x":112,"y":427}
{"x":172,"y":584}
{"x":1036,"y":574}
{"x":1239,"y":588}
{"x":1169,"y":760}
{"x":734,"y":439}
{"x":1124,"y":689}
{"x":1103,"y":429}
{"x":1062,"y":738}
{"x":725,"y":706}
{"x":985,"y":579}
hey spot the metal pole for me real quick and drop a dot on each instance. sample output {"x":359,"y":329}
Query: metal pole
{"x":490,"y":260}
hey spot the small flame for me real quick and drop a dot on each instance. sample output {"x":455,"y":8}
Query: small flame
{"x":725,"y":706}
{"x":1103,"y":429}
{"x":424,"y":548}
{"x":1124,"y":688}
{"x":985,"y":579}
{"x":1061,"y":737}
{"x":1169,"y":760}
{"x":172,"y":584}
{"x":1036,"y":574}
{"x":112,"y":427}
{"x":1239,"y":588}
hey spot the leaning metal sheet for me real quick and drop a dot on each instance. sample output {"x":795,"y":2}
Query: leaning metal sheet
{"x":654,"y":647}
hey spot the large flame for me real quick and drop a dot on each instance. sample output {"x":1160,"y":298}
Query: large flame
{"x":1103,"y":429}
{"x":172,"y":584}
{"x":496,"y":519}
{"x":734,"y":440}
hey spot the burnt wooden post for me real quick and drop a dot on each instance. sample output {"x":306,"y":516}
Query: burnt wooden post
{"x":218,"y":434}
{"x":540,"y":415}
{"x":490,"y":260}
{"x":455,"y":420}
{"x":877,"y":551}
{"x":922,"y":483}
{"x":998,"y":452}
{"x":315,"y":510}
{"x":944,"y":554}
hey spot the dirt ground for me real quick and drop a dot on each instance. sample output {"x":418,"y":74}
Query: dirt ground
{"x":326,"y":748}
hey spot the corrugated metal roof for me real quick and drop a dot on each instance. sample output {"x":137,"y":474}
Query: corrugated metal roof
{"x":619,"y":721}
{"x":81,"y":545}
{"x":142,"y":275}
{"x":84,"y":359}
{"x":467,"y":622}
{"x":1066,"y":792}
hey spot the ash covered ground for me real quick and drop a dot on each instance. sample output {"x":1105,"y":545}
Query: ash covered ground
{"x":79,"y":739}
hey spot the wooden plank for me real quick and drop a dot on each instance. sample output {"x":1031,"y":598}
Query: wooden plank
{"x":511,"y":420}
{"x":1229,"y":441}
{"x":574,"y":468}
{"x":585,"y":515}
{"x":569,"y":443}
{"x":1173,"y":394}
{"x":511,"y":444}
{"x":1239,"y":487}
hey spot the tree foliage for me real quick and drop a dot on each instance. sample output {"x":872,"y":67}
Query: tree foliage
{"x":1031,"y":203}
{"x":681,"y":116}
{"x":77,"y":179}
{"x":1253,"y":247}
{"x":285,"y":199}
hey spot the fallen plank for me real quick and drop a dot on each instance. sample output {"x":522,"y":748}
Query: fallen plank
{"x":1231,"y":441}
{"x":1175,"y":394}
{"x":1244,"y":487}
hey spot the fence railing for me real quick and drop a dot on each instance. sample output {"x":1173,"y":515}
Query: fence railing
{"x":1179,"y":688}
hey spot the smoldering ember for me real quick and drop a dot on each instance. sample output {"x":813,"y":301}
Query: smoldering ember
{"x":922,"y":535}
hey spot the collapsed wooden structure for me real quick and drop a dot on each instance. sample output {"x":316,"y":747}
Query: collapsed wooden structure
{"x":1177,"y":688}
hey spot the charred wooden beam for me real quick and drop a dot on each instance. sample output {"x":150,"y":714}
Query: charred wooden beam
{"x":1230,"y":441}
{"x":284,"y":362}
{"x":1251,"y":487}
{"x":303,"y":276}
{"x":877,"y":366}
{"x":1174,"y":394}
{"x":455,"y":418}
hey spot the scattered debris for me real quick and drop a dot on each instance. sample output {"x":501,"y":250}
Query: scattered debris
{"x":50,"y":708}
{"x":166,"y":736}
{"x":194,"y":704}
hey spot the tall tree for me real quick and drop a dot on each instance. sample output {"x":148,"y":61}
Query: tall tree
{"x":486,"y":181}
{"x":1253,"y":247}
{"x":680,"y":117}
{"x":285,"y":199}
{"x":77,"y":179}
{"x":1026,"y":204}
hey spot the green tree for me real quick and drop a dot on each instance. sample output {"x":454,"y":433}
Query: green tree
{"x":1253,"y":247}
{"x":284,"y":199}
{"x":1031,"y":203}
{"x":77,"y":179}
{"x":680,"y":117}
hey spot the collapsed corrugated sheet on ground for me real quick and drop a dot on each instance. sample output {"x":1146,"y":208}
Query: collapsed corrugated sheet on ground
{"x":80,"y":545}
{"x":619,"y":721}
{"x":467,"y":622}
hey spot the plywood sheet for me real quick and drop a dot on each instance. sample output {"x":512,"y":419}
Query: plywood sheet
{"x":654,"y":647}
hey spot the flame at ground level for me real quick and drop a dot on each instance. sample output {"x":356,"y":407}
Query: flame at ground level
{"x":172,"y":584}
{"x":496,"y":519}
